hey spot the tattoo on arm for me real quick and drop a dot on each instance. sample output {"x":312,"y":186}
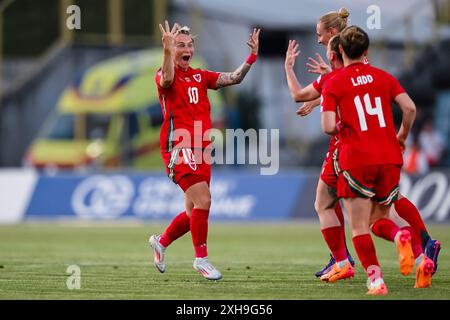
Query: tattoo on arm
{"x":230,"y":78}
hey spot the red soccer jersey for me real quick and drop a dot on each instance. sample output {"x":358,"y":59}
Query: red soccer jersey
{"x":361,"y":95}
{"x":318,"y":85}
{"x":184,"y":103}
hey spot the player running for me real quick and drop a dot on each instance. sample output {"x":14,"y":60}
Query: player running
{"x":326,"y":204}
{"x":328,"y":26}
{"x":370,"y":157}
{"x":185,"y":105}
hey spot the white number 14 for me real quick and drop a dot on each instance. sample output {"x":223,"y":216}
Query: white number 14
{"x":377,"y":111}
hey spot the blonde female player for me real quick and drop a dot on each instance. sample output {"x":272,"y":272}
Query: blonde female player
{"x":328,"y":26}
{"x":184,"y":103}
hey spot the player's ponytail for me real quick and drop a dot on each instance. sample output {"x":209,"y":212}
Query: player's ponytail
{"x":335,"y":19}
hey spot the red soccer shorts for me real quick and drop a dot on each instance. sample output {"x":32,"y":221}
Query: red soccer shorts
{"x":330,"y":170}
{"x":187,"y":168}
{"x":378,"y":182}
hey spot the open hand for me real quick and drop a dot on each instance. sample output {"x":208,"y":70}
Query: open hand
{"x":306,"y":108}
{"x":253,"y":42}
{"x":291,"y":54}
{"x":168,"y":36}
{"x":318,"y":66}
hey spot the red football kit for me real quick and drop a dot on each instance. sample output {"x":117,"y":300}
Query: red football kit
{"x":186,"y":111}
{"x":329,"y":172}
{"x":369,"y":156}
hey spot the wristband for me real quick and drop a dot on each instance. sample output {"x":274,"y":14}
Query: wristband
{"x":251,"y":59}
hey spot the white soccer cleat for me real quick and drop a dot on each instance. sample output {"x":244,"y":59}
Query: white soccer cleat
{"x":206,"y":269}
{"x":158,"y":253}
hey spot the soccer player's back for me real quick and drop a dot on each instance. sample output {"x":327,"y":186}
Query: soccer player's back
{"x":370,"y":155}
{"x":365,"y":94}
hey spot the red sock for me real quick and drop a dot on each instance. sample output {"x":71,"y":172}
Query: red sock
{"x":366,"y":250}
{"x":385,"y":228}
{"x":415,"y":242}
{"x":335,"y":241}
{"x":408,"y":211}
{"x":199,"y":231}
{"x":178,"y":227}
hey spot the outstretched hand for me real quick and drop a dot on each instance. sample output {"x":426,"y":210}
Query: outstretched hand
{"x":168,"y":35}
{"x":253,"y":42}
{"x":291,"y":54}
{"x":318,"y":66}
{"x":306,"y":108}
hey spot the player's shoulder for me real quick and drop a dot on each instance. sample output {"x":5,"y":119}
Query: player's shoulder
{"x":378,"y":71}
{"x":334,"y":79}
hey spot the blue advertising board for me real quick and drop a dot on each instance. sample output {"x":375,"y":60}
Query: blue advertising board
{"x":235,"y":195}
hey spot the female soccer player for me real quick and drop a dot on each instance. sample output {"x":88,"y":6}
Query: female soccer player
{"x":328,"y":26}
{"x":326,"y":204}
{"x":370,"y":156}
{"x":186,"y":109}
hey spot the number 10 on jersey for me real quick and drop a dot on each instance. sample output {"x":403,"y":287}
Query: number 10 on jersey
{"x":193,"y":95}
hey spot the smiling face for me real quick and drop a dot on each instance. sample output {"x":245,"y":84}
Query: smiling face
{"x":324,"y":35}
{"x":184,"y":50}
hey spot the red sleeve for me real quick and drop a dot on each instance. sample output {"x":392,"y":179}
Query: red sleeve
{"x":317,"y":84}
{"x":396,"y":87}
{"x":328,"y":100}
{"x":211,"y":78}
{"x":158,"y":80}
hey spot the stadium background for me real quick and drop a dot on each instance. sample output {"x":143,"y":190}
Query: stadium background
{"x":42,"y":62}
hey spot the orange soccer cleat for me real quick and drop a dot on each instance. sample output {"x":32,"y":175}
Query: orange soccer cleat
{"x":405,"y":253}
{"x":379,"y":290}
{"x":337,"y":273}
{"x":424,"y":272}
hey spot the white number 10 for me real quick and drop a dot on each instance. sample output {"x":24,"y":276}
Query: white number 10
{"x":193,"y":95}
{"x":378,"y":111}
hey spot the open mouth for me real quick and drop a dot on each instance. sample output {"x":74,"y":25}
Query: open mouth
{"x":186,"y":58}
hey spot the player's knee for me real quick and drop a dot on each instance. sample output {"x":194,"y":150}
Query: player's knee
{"x":203,"y":202}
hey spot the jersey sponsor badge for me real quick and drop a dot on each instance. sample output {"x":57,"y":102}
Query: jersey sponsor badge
{"x":197,"y":77}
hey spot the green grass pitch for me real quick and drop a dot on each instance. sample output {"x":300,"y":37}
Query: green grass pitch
{"x":258,"y":261}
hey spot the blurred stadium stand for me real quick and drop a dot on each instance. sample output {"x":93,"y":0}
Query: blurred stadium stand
{"x":41,"y":56}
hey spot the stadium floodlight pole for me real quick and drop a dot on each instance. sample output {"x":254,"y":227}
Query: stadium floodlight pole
{"x":3,"y":5}
{"x":115,"y":22}
{"x":159,"y":14}
{"x":65,"y":34}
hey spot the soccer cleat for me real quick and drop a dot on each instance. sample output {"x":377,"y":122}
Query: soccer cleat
{"x":432,"y":249}
{"x":379,"y":290}
{"x":405,"y":253}
{"x":327,"y":268}
{"x":423,"y":273}
{"x":337,"y":273}
{"x":331,"y":263}
{"x":206,"y":269}
{"x":158,"y":253}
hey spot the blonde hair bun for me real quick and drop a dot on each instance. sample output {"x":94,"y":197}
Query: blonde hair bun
{"x":343,"y":13}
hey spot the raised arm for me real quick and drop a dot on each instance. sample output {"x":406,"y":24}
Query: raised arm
{"x":230,"y":78}
{"x":409,"y":114}
{"x":168,"y":40}
{"x":298,"y":93}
